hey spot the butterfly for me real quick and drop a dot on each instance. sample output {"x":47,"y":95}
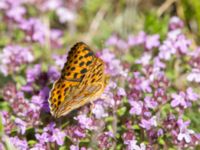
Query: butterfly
{"x":82,"y":81}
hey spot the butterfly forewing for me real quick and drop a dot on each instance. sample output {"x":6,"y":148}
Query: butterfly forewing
{"x":79,"y":60}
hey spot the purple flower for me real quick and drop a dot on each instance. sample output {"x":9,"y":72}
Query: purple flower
{"x":132,"y":145}
{"x":114,"y":65}
{"x":105,"y":140}
{"x":18,"y":143}
{"x":60,"y":60}
{"x":13,"y":57}
{"x":112,"y":40}
{"x":147,"y":124}
{"x":122,"y":45}
{"x":33,"y":73}
{"x":35,"y":30}
{"x":160,"y":132}
{"x":55,"y":38}
{"x":184,"y":132}
{"x":76,"y":132}
{"x":150,"y":103}
{"x":40,"y":100}
{"x":2,"y":147}
{"x":16,"y":13}
{"x":43,"y":138}
{"x":65,"y":15}
{"x":158,"y":64}
{"x":194,"y":76}
{"x":74,"y":147}
{"x":136,"y":107}
{"x":51,"y":5}
{"x":175,"y":23}
{"x":121,"y":91}
{"x":137,"y":40}
{"x":50,"y":127}
{"x":99,"y":111}
{"x":152,"y":41}
{"x":21,"y":124}
{"x":7,"y":122}
{"x":144,"y":60}
{"x":182,"y":124}
{"x":58,"y":136}
{"x":179,"y":99}
{"x":39,"y":146}
{"x":145,"y":86}
{"x":3,"y":5}
{"x":84,"y":121}
{"x":166,"y":50}
{"x":185,"y":135}
{"x":9,"y":92}
{"x":182,"y":44}
{"x":20,"y":105}
{"x":53,"y":74}
{"x":107,"y":56}
{"x":191,"y":95}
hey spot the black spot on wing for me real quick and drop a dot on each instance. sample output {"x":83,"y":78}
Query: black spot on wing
{"x":81,"y":64}
{"x":84,"y":70}
{"x":73,"y":68}
{"x":75,"y":75}
{"x":89,"y":54}
{"x":88,"y":63}
{"x":80,"y":57}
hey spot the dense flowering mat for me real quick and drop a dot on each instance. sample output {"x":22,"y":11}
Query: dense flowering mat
{"x":152,"y":87}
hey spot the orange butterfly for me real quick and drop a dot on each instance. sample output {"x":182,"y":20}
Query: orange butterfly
{"x":82,"y":80}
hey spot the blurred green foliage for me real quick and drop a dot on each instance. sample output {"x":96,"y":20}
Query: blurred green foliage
{"x":191,"y":14}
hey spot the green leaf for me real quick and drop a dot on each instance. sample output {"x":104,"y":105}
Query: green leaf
{"x":155,"y":25}
{"x":121,"y":111}
{"x":161,"y":141}
{"x":136,"y":127}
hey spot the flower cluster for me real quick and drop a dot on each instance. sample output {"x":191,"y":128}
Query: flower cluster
{"x":12,"y":57}
{"x":144,"y":106}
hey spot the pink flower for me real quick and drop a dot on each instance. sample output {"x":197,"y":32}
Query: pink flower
{"x":150,"y":103}
{"x":65,"y":15}
{"x":112,"y":40}
{"x":147,"y":124}
{"x":43,"y":138}
{"x":184,"y":133}
{"x":121,"y":92}
{"x":13,"y":57}
{"x":21,"y":124}
{"x":136,"y":107}
{"x":152,"y":41}
{"x":99,"y":111}
{"x":18,"y":143}
{"x":144,"y":60}
{"x":175,"y":23}
{"x":179,"y":100}
{"x":194,"y":76}
{"x":191,"y":95}
{"x":132,"y":145}
{"x":85,"y":122}
{"x":51,"y":5}
{"x":58,"y":136}
{"x":137,"y":40}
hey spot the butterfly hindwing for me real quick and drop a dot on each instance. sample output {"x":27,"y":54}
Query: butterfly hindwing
{"x":82,"y":81}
